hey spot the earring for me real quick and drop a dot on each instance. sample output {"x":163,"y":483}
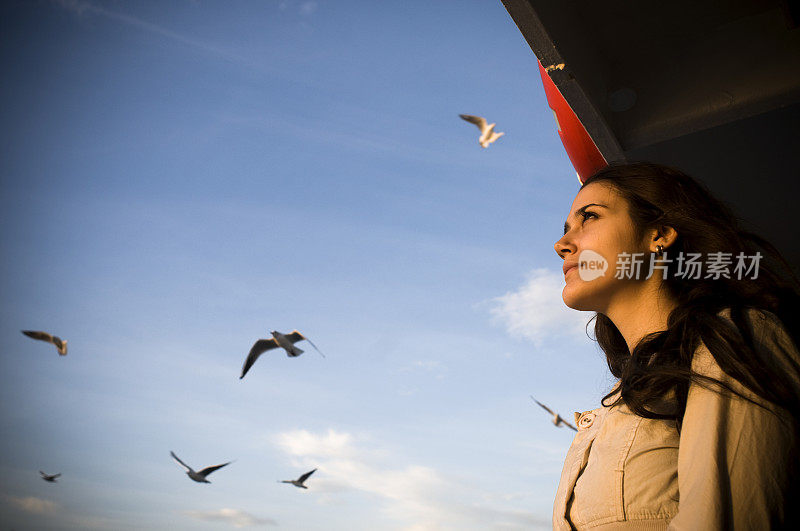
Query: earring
{"x":659,"y":250}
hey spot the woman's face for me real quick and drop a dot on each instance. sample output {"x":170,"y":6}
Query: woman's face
{"x":597,"y":230}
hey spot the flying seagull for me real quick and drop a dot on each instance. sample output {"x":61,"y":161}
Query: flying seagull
{"x":284,"y":341}
{"x":200,"y":476}
{"x":48,"y":477}
{"x":557,"y":419}
{"x":487,"y":130}
{"x":61,"y":344}
{"x":299,"y":481}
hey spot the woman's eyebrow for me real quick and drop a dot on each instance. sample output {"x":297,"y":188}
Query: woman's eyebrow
{"x":580,"y":211}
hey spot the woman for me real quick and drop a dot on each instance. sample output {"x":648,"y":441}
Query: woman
{"x":701,"y":429}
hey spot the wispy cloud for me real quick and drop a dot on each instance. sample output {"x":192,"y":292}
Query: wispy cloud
{"x":76,"y":6}
{"x":305,"y":8}
{"x":57,"y":515}
{"x":85,"y":521}
{"x":308,"y":8}
{"x":31,"y":504}
{"x":536,"y":311}
{"x":416,"y":496}
{"x":82,"y":8}
{"x":433,"y":367}
{"x":235,"y":517}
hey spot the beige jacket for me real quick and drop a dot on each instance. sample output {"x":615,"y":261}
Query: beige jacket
{"x":725,"y":470}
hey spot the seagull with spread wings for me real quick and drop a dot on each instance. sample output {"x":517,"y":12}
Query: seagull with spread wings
{"x":199,"y":476}
{"x":284,"y":341}
{"x":51,"y":478}
{"x":558,"y":420}
{"x":299,"y":481}
{"x":488,"y":135}
{"x":61,"y":344}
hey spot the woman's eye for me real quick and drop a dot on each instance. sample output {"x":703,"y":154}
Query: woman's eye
{"x":588,"y":214}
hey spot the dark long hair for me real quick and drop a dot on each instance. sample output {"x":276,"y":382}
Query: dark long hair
{"x":660,"y":364}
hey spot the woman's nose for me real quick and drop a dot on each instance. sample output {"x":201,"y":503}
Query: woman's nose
{"x":563,"y":248}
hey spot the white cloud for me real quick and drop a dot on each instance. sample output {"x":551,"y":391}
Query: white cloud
{"x":301,"y":442}
{"x":33,"y":505}
{"x":537,"y":312}
{"x":235,"y":517}
{"x":415,"y":496}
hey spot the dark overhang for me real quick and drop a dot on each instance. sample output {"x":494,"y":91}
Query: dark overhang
{"x":710,"y":87}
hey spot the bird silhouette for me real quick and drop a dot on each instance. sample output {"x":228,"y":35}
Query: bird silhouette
{"x":488,"y":134}
{"x":299,"y":481}
{"x":61,"y":344}
{"x":50,"y":478}
{"x":558,"y":420}
{"x":199,"y":476}
{"x":284,"y":341}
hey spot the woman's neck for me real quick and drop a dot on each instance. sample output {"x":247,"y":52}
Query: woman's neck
{"x":640,"y":313}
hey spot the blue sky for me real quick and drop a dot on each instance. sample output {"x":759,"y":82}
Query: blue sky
{"x":180,"y":178}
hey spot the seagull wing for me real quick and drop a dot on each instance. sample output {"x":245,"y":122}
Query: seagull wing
{"x":544,"y":406}
{"x":209,"y":469}
{"x":176,"y":458}
{"x":42,"y":336}
{"x":305,"y":476}
{"x":296,"y":336}
{"x":43,"y":474}
{"x":568,"y":425}
{"x":259,"y":347}
{"x":477,"y":120}
{"x":495,"y":136}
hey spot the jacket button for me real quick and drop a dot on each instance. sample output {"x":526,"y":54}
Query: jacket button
{"x":586,"y":420}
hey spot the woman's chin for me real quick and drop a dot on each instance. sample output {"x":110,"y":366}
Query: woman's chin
{"x":577,"y":301}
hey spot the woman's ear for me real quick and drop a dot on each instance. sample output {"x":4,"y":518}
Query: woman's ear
{"x":664,"y":236}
